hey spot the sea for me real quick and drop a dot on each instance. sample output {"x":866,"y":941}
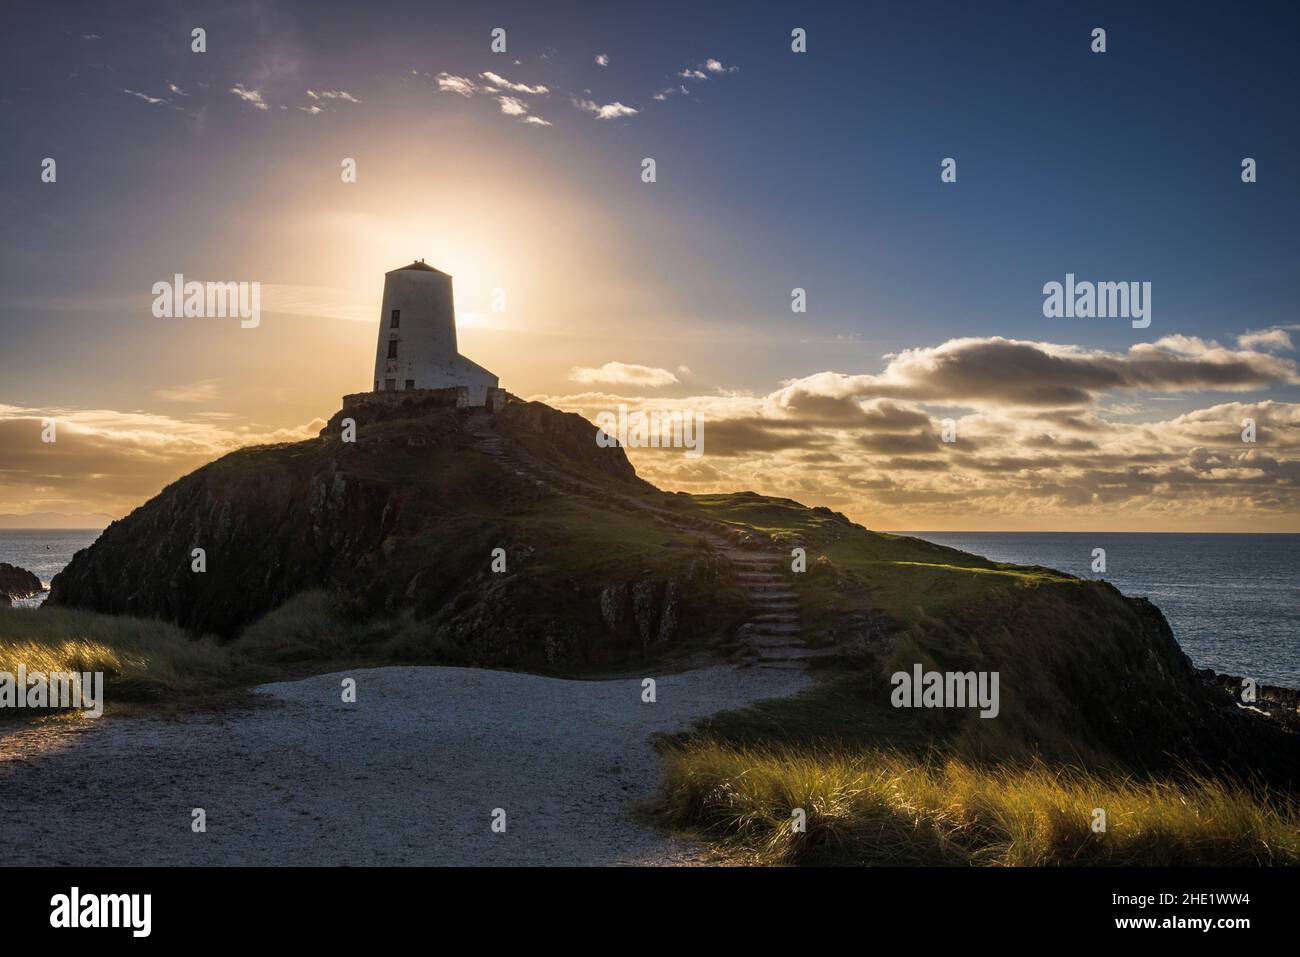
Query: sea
{"x":1233,"y":601}
{"x":43,"y":552}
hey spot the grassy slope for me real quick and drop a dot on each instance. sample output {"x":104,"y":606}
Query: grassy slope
{"x":867,"y":806}
{"x":881,"y":785}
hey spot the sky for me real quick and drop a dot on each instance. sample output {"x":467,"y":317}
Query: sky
{"x":520,"y":171}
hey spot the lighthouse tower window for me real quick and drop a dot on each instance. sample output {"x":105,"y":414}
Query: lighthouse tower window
{"x":392,"y":348}
{"x":395,"y":320}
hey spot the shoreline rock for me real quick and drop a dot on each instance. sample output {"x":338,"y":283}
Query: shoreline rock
{"x":17,"y":584}
{"x":1272,"y":701}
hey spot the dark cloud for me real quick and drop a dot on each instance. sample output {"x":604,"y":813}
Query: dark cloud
{"x":1008,"y":372}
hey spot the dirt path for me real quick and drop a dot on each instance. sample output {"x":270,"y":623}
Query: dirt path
{"x":410,"y":774}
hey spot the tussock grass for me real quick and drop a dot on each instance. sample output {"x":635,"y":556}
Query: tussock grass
{"x":308,"y":629}
{"x":880,"y":807}
{"x":142,"y":660}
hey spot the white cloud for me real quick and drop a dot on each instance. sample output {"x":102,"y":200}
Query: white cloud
{"x":502,"y":83}
{"x":621,"y":373}
{"x":1279,"y":338}
{"x":313,"y":110}
{"x":512,"y":106}
{"x":602,"y":59}
{"x":690,"y":74}
{"x":249,"y":96}
{"x":610,"y":111}
{"x":343,"y":95}
{"x":176,"y":89}
{"x":449,"y":83}
{"x":151,"y":100}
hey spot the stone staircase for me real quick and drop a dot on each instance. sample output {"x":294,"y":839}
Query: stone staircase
{"x":773,"y":634}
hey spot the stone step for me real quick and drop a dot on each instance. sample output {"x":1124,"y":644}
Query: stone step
{"x":782,"y":648}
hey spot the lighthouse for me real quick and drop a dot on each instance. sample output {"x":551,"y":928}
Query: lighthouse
{"x":417,"y":337}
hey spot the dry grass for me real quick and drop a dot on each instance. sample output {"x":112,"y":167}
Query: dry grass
{"x":142,"y":661}
{"x":878,"y":807}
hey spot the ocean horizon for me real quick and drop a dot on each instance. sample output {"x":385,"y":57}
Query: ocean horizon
{"x":1232,"y":599}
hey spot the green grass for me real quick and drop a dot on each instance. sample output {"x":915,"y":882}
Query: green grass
{"x":880,"y":807}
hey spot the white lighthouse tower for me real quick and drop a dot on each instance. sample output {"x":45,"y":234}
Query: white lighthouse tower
{"x":417,"y":337}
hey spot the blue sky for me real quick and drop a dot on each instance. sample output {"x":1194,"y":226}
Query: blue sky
{"x":817,"y":170}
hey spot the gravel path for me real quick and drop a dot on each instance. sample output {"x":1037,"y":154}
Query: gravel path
{"x":410,"y":774}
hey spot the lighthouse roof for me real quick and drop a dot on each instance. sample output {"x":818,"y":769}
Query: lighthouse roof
{"x":419,"y":266}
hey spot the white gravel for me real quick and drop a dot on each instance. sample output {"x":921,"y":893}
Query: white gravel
{"x":410,"y":774}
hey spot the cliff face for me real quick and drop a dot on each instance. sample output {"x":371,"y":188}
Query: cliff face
{"x":405,"y":518}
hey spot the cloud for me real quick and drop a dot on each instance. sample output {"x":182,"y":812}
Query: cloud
{"x":109,"y":461}
{"x":249,"y":96}
{"x":712,"y":67}
{"x":333,"y":95}
{"x":448,"y":83}
{"x":1037,"y":374}
{"x":873,"y":445}
{"x":91,"y":36}
{"x":151,"y":100}
{"x":602,"y":59}
{"x":620,"y":373}
{"x":176,"y":89}
{"x":1278,"y":338}
{"x":511,"y":106}
{"x":313,"y":110}
{"x":204,"y":390}
{"x":671,"y":91}
{"x":501,"y":83}
{"x":609,"y":111}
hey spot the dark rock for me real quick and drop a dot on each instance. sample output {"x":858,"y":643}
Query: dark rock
{"x":616,"y":606}
{"x":644,"y":601}
{"x":17,"y":583}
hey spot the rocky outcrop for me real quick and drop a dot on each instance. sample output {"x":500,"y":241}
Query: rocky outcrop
{"x":17,"y":583}
{"x":403,"y":520}
{"x":653,"y":611}
{"x":1282,"y":705}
